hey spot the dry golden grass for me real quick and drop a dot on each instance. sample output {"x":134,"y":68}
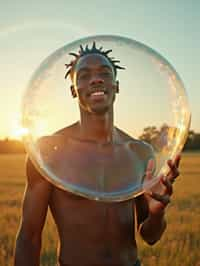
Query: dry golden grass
{"x":180,"y":245}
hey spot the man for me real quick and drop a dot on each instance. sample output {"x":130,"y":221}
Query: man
{"x":91,"y":232}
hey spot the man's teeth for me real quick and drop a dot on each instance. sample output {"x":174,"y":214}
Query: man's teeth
{"x":98,"y":93}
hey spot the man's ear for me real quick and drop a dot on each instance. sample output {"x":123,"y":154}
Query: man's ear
{"x":117,"y":87}
{"x":73,"y":92}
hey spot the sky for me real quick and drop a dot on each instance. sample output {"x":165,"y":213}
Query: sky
{"x":31,"y":30}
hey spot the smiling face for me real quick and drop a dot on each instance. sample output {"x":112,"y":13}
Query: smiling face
{"x":94,"y":83}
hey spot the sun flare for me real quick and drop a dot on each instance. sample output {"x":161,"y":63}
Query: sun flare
{"x":19,"y":133}
{"x":17,"y":130}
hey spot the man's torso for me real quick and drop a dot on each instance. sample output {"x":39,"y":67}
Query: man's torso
{"x":93,"y":232}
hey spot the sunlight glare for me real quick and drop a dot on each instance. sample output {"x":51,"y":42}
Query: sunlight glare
{"x":17,"y":130}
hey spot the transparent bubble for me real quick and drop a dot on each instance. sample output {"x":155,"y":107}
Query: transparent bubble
{"x":151,"y":119}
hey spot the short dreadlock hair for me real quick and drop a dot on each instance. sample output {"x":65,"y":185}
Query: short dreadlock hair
{"x":93,"y":50}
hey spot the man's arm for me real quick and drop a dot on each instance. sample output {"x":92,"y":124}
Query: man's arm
{"x":35,"y":205}
{"x":151,"y":206}
{"x":150,"y":226}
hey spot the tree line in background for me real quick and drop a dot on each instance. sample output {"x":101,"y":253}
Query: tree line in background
{"x":161,"y":137}
{"x":154,"y":136}
{"x":11,"y":146}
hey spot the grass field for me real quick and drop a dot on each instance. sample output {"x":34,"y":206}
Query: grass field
{"x":180,"y":245}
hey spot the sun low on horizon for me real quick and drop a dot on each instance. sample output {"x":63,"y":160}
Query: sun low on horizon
{"x":17,"y":131}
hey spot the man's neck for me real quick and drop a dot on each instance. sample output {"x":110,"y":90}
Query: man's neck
{"x":97,"y":127}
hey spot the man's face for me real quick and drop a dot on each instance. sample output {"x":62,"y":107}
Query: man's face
{"x":94,"y":83}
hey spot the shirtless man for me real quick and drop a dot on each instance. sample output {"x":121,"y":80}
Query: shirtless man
{"x":92,"y":232}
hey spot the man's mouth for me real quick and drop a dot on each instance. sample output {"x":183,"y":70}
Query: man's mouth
{"x":98,"y":94}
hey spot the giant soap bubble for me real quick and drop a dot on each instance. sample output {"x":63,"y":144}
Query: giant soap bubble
{"x":151,"y":117}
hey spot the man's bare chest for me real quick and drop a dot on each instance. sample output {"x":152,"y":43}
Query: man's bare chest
{"x":105,"y":168}
{"x":89,"y":217}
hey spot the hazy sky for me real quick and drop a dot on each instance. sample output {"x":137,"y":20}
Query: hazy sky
{"x":31,"y":30}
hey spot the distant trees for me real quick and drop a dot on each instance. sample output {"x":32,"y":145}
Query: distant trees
{"x":193,"y":141}
{"x":160,"y":137}
{"x":155,"y":137}
{"x":11,"y":146}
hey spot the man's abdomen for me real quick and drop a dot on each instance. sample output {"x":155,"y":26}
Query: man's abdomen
{"x":94,"y":233}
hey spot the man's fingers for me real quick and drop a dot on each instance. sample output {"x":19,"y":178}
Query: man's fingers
{"x":171,"y":165}
{"x":175,"y":163}
{"x":164,"y":199}
{"x":174,"y":172}
{"x":150,"y":165}
{"x":149,"y":169}
{"x":177,"y":160}
{"x":168,"y":185}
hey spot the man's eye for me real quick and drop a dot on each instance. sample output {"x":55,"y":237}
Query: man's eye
{"x":105,"y":74}
{"x":83,"y":76}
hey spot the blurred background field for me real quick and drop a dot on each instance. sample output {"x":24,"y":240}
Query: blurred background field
{"x":180,"y":245}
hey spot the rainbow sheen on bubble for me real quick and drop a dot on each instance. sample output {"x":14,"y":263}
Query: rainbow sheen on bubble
{"x":151,"y":108}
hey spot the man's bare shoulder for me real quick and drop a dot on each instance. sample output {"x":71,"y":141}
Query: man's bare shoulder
{"x":143,"y":149}
{"x":69,"y":131}
{"x":137,"y":142}
{"x":57,"y":138}
{"x":124,"y":136}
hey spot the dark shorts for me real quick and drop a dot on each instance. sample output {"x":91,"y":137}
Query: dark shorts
{"x":137,"y":263}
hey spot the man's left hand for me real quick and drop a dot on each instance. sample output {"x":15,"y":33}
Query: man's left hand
{"x":158,"y":196}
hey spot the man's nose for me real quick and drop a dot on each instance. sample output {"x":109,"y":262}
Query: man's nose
{"x":95,"y":80}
